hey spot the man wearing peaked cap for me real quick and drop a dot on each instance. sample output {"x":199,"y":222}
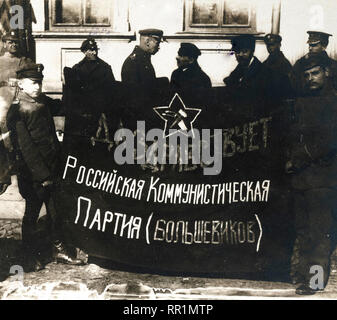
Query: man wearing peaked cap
{"x":38,"y":155}
{"x":271,"y":38}
{"x":189,"y":75}
{"x":31,"y":71}
{"x":279,"y":64}
{"x":276,"y":59}
{"x":155,"y":33}
{"x":10,"y":62}
{"x":318,"y":38}
{"x":315,"y":61}
{"x":313,"y":167}
{"x":93,"y":82}
{"x":317,"y":42}
{"x":10,"y":35}
{"x":137,"y":69}
{"x":139,"y":78}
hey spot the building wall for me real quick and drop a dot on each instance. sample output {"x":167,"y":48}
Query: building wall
{"x":56,"y":53}
{"x":296,"y":17}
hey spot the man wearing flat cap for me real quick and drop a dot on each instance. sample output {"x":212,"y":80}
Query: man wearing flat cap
{"x":10,"y":62}
{"x":93,"y":82}
{"x":189,"y":75}
{"x":38,"y":156}
{"x":250,"y":82}
{"x":318,"y":42}
{"x":137,"y":69}
{"x":312,"y":167}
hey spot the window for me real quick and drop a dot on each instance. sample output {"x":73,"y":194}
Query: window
{"x":225,"y":16}
{"x":83,"y":14}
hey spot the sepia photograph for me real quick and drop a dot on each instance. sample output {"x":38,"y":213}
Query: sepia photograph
{"x":168,"y":150}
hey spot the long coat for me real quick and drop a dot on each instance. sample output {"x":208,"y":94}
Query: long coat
{"x":94,"y":80}
{"x":252,"y":88}
{"x":313,"y":141}
{"x":279,"y":63}
{"x":283,"y":73}
{"x":313,"y":153}
{"x":34,"y":136}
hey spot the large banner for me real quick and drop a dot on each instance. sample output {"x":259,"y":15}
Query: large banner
{"x":182,"y":182}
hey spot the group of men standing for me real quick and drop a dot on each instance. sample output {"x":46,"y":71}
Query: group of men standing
{"x":311,"y":142}
{"x":312,"y":145}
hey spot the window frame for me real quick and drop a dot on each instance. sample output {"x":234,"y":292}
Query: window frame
{"x":81,"y":26}
{"x":218,"y":28}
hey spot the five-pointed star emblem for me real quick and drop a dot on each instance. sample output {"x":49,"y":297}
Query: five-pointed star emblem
{"x":177,"y":116}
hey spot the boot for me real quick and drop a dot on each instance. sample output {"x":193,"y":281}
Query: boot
{"x":305,"y":290}
{"x":32,"y":264}
{"x":62,"y":256}
{"x":30,"y":258}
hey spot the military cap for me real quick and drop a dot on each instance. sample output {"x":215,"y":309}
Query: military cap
{"x":189,"y":50}
{"x":314,"y":61}
{"x":89,"y":43}
{"x":31,"y":70}
{"x":272,"y":38}
{"x":317,"y":37}
{"x":10,"y":35}
{"x":243,"y":42}
{"x":155,"y":33}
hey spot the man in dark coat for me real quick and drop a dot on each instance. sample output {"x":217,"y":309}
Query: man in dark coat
{"x":137,"y":69}
{"x":313,"y":168}
{"x":31,"y":122}
{"x":93,"y":81}
{"x":95,"y":77}
{"x":276,"y":59}
{"x":250,"y":85}
{"x":139,"y":78}
{"x":279,"y":64}
{"x":318,"y":42}
{"x":189,"y":75}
